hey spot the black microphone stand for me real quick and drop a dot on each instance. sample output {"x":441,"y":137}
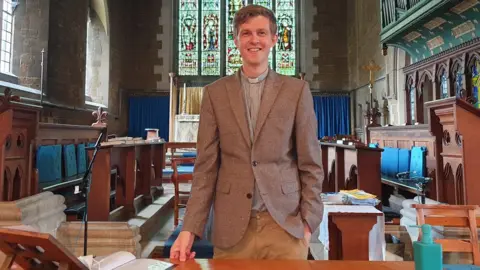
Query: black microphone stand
{"x":86,"y":181}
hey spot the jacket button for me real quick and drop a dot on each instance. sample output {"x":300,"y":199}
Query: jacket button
{"x":249,"y":195}
{"x":254,"y":163}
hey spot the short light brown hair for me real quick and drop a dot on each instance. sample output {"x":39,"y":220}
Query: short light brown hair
{"x":251,"y":11}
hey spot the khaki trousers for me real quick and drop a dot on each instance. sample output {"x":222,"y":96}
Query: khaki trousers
{"x":265,"y":239}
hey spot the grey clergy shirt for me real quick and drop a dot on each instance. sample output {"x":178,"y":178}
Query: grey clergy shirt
{"x":253,"y":89}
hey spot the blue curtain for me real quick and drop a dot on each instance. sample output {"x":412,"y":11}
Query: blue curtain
{"x":148,"y":112}
{"x":333,"y":115}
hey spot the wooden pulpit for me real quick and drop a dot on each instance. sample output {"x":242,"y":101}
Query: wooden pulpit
{"x":455,"y":123}
{"x":32,"y":250}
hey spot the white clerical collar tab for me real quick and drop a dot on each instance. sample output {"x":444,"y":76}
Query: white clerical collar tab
{"x":258,"y":79}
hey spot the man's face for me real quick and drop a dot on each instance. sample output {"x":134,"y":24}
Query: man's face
{"x":255,"y":40}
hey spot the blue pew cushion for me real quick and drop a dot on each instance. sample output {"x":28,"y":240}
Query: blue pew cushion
{"x":189,"y":154}
{"x":81,"y":159}
{"x":49,"y":163}
{"x":417,"y":162}
{"x":389,"y":161}
{"x":181,"y":170}
{"x":403,"y":160}
{"x":203,"y":248}
{"x":70,"y":159}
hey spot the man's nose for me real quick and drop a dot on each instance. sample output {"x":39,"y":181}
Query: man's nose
{"x":254,"y":39}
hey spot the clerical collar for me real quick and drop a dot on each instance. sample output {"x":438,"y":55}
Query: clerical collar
{"x":256,"y":80}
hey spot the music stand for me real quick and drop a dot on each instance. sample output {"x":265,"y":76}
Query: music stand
{"x":32,"y":250}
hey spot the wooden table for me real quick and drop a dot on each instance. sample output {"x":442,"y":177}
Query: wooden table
{"x":290,"y":264}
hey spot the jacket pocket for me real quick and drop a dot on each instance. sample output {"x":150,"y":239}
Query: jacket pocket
{"x":290,"y":187}
{"x":223,"y":187}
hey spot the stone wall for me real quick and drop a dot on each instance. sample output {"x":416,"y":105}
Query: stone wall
{"x":329,"y":46}
{"x":144,"y":46}
{"x":363,"y":46}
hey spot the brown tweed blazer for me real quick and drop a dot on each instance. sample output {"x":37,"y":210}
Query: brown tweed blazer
{"x":284,"y":158}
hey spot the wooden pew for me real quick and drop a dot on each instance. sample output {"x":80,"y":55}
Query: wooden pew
{"x":351,"y":167}
{"x":139,"y":165}
{"x":406,"y":137}
{"x":60,"y":134}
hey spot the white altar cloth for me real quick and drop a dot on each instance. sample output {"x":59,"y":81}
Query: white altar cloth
{"x":377,"y":245}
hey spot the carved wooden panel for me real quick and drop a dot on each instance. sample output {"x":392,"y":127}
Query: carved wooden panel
{"x":15,"y":159}
{"x":404,"y":144}
{"x":456,"y":126}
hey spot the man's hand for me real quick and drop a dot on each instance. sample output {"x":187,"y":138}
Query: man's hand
{"x":307,"y":233}
{"x":182,"y":246}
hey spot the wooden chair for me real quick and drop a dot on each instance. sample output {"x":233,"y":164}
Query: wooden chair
{"x":173,"y":147}
{"x":177,"y":178}
{"x":452,"y":216}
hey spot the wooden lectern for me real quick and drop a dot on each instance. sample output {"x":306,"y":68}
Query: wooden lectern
{"x":455,"y":124}
{"x":32,"y":250}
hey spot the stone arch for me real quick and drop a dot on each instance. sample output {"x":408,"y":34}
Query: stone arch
{"x":441,"y":69}
{"x":474,"y":56}
{"x":101,"y":8}
{"x":426,"y":74}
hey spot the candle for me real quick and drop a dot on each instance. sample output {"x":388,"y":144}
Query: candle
{"x":184,"y":91}
{"x":184,"y":98}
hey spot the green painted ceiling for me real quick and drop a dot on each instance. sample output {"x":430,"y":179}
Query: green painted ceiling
{"x":442,"y":30}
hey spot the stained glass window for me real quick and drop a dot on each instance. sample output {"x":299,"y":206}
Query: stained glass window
{"x":188,"y":37}
{"x":205,"y":37}
{"x":444,"y":86}
{"x":458,"y":84}
{"x":233,"y":59}
{"x":476,"y":82}
{"x":413,"y":97}
{"x":286,"y":32}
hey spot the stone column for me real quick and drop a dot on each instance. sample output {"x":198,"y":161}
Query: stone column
{"x":67,"y":52}
{"x":30,"y":37}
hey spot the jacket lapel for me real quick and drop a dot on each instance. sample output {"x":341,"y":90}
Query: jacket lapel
{"x":237,"y":103}
{"x":273,"y":83}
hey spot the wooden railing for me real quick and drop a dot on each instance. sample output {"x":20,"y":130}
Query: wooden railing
{"x":393,"y":10}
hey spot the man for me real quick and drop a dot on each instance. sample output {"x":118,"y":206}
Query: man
{"x":258,"y":160}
